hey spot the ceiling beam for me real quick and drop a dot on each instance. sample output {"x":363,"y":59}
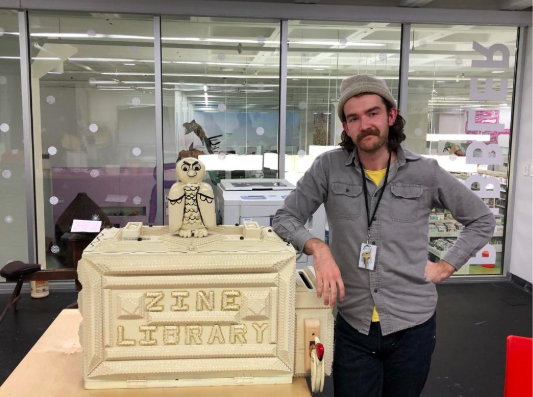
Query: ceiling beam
{"x":439,"y":35}
{"x":358,"y":35}
{"x":515,"y":5}
{"x":262,"y":10}
{"x":414,"y":3}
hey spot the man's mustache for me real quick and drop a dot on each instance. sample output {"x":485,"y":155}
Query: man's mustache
{"x":365,"y":133}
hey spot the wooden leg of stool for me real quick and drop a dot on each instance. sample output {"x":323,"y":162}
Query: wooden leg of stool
{"x":17,"y":291}
{"x":15,"y":296}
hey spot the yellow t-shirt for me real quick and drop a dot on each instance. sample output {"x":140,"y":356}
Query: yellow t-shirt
{"x":376,"y":177}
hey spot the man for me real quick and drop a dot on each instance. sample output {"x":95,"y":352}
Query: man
{"x":385,"y":329}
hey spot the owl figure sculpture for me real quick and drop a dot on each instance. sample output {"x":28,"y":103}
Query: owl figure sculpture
{"x":191,"y":202}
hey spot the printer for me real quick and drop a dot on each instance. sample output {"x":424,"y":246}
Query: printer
{"x":257,"y":200}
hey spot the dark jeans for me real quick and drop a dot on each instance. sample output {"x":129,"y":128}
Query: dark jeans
{"x":396,"y":365}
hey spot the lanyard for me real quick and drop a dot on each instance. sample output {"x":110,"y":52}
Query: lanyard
{"x":369,"y":218}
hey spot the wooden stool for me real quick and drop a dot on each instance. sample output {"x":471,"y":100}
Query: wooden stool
{"x":20,"y":272}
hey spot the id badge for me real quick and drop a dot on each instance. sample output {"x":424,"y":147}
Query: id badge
{"x":367,"y":257}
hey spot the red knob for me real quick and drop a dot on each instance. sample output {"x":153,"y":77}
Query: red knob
{"x":320,"y":351}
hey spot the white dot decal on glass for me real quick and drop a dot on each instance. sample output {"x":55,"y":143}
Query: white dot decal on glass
{"x":301,"y":153}
{"x":338,"y":131}
{"x":91,"y":33}
{"x":222,"y":156}
{"x":418,"y":131}
{"x":92,"y":80}
{"x":54,"y":249}
{"x":136,"y":151}
{"x":420,"y":88}
{"x":2,"y":32}
{"x":93,"y":128}
{"x":261,"y":39}
{"x":4,"y":127}
{"x":52,"y":151}
{"x":221,"y":107}
{"x":382,"y":57}
{"x":453,"y":157}
{"x":302,"y":105}
{"x":136,"y":101}
{"x":8,"y":219}
{"x":343,"y":42}
{"x":458,"y":61}
{"x":6,"y":174}
{"x":54,"y":200}
{"x":94,"y":173}
{"x":50,"y":99}
{"x":95,"y":217}
{"x":137,"y":200}
{"x":276,"y":51}
{"x":221,"y":57}
{"x":260,"y":130}
{"x":3,"y":80}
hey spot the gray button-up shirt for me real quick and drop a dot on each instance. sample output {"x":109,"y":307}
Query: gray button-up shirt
{"x":400,"y":231}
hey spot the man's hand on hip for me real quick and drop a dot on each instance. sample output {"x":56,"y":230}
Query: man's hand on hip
{"x":328,"y":276}
{"x":438,"y":272}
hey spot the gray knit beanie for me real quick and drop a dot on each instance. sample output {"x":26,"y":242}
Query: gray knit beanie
{"x":362,"y":84}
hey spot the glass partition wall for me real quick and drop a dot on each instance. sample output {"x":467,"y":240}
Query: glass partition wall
{"x":94,"y":110}
{"x":220,"y":95}
{"x":321,"y":55}
{"x":461,"y":90}
{"x":93,"y":125}
{"x":13,"y":218}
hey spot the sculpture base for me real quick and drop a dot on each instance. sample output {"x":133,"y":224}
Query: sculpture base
{"x":142,"y":384}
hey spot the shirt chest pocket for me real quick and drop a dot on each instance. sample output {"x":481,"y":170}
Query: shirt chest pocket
{"x":345,"y":202}
{"x":406,"y":202}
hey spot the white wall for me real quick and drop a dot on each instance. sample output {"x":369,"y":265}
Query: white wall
{"x":521,"y":251}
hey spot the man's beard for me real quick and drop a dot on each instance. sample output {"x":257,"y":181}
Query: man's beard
{"x":370,"y":147}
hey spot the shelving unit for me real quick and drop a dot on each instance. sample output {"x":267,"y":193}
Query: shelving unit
{"x":496,"y":241}
{"x":440,"y":254}
{"x":498,"y":174}
{"x":455,"y":234}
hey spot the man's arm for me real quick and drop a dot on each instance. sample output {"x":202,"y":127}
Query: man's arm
{"x":328,"y":276}
{"x":311,"y":191}
{"x":301,"y":203}
{"x":467,"y":208}
{"x":437,"y":272}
